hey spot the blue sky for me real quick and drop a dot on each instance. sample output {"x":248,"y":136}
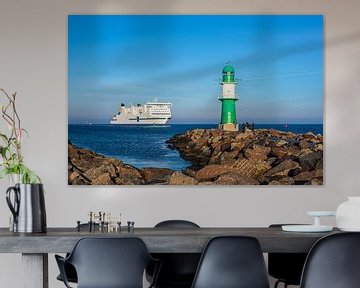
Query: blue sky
{"x":115,"y":59}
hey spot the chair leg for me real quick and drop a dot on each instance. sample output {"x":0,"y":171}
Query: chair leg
{"x":278,"y":282}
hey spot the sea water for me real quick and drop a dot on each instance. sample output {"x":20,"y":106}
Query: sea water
{"x":144,"y":146}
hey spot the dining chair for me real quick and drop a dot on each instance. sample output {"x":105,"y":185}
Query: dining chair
{"x":178,"y":269}
{"x":333,"y":262}
{"x":286,"y":267}
{"x":108,"y":263}
{"x":232,"y":262}
{"x":70,"y":271}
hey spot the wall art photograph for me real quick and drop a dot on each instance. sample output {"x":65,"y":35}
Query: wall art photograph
{"x":195,"y":99}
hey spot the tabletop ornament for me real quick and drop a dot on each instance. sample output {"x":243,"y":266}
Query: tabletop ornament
{"x":315,"y":227}
{"x":25,"y":197}
{"x":104,"y":222}
{"x":348,"y":214}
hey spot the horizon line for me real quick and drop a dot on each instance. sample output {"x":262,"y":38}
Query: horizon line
{"x":90,"y":123}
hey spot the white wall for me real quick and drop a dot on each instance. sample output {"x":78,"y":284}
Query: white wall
{"x":33,"y":62}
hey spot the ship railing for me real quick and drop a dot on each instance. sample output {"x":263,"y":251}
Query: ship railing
{"x":159,"y":103}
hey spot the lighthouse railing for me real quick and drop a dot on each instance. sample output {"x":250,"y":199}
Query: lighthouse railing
{"x":221,"y":97}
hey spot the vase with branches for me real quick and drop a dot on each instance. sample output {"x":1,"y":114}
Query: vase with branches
{"x":11,"y":158}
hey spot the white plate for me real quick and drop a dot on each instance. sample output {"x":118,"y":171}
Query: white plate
{"x":321,"y":213}
{"x":306,"y":228}
{"x":350,"y":229}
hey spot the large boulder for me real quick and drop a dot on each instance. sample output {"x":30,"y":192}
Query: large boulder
{"x":233,"y":178}
{"x":281,"y":143}
{"x":285,"y":168}
{"x":156,"y":175}
{"x":280,"y":152}
{"x":228,"y":157}
{"x":282,"y":181}
{"x":106,"y":168}
{"x":309,"y":177}
{"x":258,"y":152}
{"x":178,"y":178}
{"x":211,"y":172}
{"x":309,"y":161}
{"x":103,"y":179}
{"x":76,"y":178}
{"x":129,"y":175}
{"x":238,"y":146}
{"x":250,"y":168}
{"x":247,"y":134}
{"x":303,"y":144}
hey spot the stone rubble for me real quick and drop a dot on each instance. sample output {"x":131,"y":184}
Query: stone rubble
{"x":218,"y":157}
{"x":262,"y":156}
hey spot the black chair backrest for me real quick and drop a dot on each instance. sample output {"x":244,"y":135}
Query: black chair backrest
{"x":176,"y":224}
{"x":110,"y":262}
{"x":333,"y":262}
{"x":232,"y":262}
{"x":178,"y":269}
{"x":286,"y":266}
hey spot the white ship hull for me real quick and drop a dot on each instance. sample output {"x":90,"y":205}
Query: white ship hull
{"x":152,"y":113}
{"x":140,"y":121}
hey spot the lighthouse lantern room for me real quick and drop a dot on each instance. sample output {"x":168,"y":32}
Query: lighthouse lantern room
{"x":228,"y":98}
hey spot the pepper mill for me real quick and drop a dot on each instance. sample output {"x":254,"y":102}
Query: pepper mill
{"x":78,"y":226}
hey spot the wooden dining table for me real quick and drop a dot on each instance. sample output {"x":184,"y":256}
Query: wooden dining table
{"x":35,"y":247}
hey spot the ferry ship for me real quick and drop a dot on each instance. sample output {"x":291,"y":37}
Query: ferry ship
{"x":151,"y":113}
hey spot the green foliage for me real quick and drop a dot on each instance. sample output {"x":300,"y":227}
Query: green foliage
{"x":27,"y":176}
{"x":11,"y":159}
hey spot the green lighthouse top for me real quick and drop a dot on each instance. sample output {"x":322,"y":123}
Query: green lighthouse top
{"x":228,"y":74}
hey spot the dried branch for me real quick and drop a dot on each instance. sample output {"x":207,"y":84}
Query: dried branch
{"x":12,"y":159}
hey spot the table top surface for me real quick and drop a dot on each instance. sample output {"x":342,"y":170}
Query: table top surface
{"x":158,"y":240}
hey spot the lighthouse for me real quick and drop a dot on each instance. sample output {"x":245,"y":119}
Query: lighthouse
{"x":228,"y":98}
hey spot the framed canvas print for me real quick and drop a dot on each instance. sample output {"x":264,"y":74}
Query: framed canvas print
{"x":195,"y":99}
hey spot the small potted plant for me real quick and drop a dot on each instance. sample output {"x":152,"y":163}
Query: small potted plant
{"x":11,"y":159}
{"x":26,"y":197}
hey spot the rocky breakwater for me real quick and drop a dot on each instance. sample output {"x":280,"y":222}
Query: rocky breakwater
{"x":88,"y":168}
{"x":262,"y":156}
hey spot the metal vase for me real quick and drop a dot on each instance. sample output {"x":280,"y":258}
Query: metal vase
{"x":27,"y":204}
